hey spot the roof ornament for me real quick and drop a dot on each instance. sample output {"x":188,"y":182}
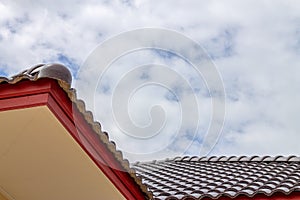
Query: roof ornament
{"x":53,"y":70}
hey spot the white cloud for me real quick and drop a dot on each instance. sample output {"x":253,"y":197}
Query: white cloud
{"x":255,"y":46}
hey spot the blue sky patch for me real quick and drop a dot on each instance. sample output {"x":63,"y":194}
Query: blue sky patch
{"x":222,"y":45}
{"x":164,"y":54}
{"x":69,"y":62}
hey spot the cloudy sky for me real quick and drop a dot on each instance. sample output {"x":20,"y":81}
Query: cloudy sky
{"x":254,"y":45}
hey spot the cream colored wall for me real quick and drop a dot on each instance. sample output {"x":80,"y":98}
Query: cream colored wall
{"x":40,"y":160}
{"x":2,"y":197}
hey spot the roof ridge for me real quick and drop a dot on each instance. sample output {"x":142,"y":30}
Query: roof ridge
{"x":54,"y":70}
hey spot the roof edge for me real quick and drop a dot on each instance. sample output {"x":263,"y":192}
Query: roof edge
{"x":255,"y":158}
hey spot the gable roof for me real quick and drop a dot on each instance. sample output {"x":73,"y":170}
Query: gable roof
{"x":62,"y":76}
{"x":215,"y":177}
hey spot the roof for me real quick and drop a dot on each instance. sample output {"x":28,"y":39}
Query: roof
{"x":182,"y":177}
{"x":215,"y":177}
{"x":63,"y":77}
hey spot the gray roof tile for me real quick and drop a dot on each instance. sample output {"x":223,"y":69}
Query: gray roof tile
{"x":213,"y":177}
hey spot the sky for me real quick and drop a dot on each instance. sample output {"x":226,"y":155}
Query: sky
{"x":254,"y":46}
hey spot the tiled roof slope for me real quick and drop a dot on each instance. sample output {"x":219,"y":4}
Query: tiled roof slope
{"x":64,"y":78}
{"x":214,"y":177}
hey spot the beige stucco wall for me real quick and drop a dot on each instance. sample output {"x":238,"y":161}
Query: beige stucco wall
{"x":41,"y":161}
{"x":2,"y":197}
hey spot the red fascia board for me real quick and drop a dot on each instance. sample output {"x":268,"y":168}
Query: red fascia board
{"x":46,"y":91}
{"x":23,"y":102}
{"x":24,"y":94}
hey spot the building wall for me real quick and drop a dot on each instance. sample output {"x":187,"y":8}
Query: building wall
{"x":2,"y":197}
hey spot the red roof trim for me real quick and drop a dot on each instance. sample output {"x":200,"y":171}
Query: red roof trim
{"x":47,"y":92}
